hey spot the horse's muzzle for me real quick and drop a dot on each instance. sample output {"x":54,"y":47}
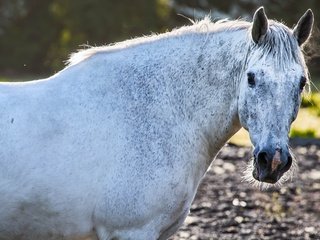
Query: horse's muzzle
{"x":269,"y":166}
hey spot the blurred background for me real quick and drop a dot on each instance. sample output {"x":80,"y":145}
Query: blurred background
{"x":36,"y":37}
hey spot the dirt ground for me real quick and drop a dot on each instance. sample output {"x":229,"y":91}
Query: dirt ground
{"x":227,"y":207}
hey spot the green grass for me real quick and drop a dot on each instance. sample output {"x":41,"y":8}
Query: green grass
{"x":307,"y":133}
{"x":311,"y":100}
{"x":312,"y":103}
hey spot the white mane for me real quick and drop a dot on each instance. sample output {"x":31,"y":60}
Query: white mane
{"x":205,"y":25}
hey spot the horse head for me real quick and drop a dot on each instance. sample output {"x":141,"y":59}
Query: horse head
{"x":270,"y":91}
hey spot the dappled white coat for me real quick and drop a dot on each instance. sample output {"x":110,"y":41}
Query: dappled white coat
{"x":117,"y":143}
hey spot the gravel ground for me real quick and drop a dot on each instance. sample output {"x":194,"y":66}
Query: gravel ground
{"x":226,"y":207}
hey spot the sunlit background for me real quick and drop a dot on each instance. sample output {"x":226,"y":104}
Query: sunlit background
{"x":36,"y":37}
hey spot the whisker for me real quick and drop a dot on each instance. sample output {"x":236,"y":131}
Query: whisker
{"x":314,"y":85}
{"x":288,"y":176}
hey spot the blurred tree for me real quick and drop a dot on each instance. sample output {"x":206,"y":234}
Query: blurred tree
{"x":97,"y":22}
{"x":38,"y":35}
{"x":26,"y":34}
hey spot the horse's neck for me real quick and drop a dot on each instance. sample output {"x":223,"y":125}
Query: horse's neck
{"x":210,"y":76}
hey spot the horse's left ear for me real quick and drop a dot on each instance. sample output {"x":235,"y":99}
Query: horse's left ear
{"x":304,"y":27}
{"x":259,"y":25}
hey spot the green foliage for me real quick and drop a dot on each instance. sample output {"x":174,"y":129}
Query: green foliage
{"x":312,"y":102}
{"x":39,"y":35}
{"x":28,"y":33}
{"x":36,"y":36}
{"x":308,"y":133}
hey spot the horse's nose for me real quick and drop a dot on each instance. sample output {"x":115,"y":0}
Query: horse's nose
{"x":271,"y":165}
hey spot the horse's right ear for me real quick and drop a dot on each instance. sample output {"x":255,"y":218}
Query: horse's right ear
{"x":304,"y":27}
{"x":259,"y":25}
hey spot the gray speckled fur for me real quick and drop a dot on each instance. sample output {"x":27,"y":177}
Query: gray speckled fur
{"x":118,"y":142}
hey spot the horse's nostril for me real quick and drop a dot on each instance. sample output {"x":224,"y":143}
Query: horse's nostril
{"x":262,"y":160}
{"x":288,"y":164}
{"x":270,"y":167}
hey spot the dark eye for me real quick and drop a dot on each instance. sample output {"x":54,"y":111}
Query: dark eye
{"x":251,"y":80}
{"x":303,"y":81}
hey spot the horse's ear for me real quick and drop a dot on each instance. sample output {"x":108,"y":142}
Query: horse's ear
{"x":303,"y":28}
{"x":259,"y":25}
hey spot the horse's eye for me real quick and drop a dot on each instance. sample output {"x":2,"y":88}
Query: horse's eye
{"x":303,"y":81}
{"x":251,"y":80}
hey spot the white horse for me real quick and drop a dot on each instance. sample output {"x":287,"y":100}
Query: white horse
{"x":115,"y":145}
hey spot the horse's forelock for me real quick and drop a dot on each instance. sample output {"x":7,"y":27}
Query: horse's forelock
{"x":281,"y":45}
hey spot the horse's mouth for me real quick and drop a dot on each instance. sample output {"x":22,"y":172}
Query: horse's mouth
{"x":270,"y":180}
